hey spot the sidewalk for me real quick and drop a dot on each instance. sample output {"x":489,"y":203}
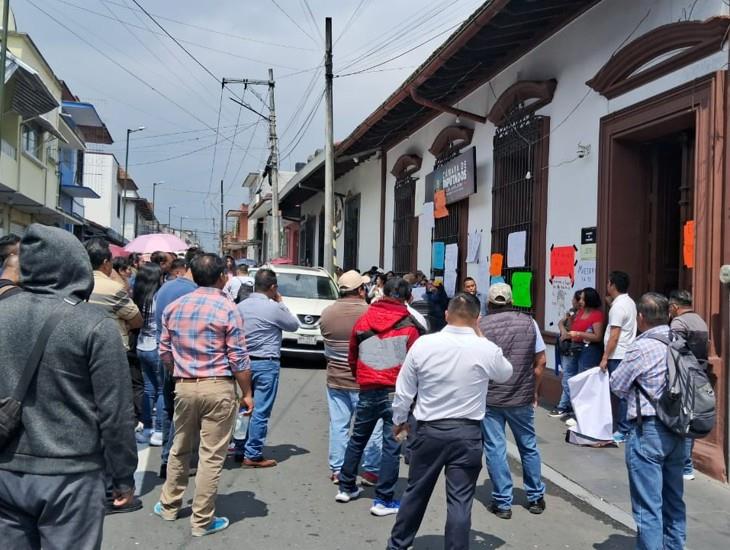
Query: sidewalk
{"x":598,"y":476}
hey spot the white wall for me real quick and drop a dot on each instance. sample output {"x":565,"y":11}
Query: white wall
{"x":100,"y":175}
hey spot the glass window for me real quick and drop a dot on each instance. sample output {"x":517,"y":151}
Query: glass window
{"x":295,"y":285}
{"x":32,"y":141}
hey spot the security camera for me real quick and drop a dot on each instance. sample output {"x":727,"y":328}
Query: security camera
{"x":583,"y":150}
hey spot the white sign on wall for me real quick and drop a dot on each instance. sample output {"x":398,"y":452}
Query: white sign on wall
{"x":561,"y":300}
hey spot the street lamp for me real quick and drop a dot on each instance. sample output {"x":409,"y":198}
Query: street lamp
{"x":154,"y":188}
{"x":169,"y":215}
{"x":126,"y":175}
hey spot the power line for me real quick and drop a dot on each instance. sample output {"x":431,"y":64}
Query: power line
{"x":314,"y":21}
{"x":235,"y":133}
{"x":349,"y":21}
{"x":215,"y":145}
{"x":297,"y":25}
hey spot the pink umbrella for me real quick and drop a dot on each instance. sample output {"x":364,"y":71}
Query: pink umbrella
{"x":118,"y":251}
{"x":164,"y":242}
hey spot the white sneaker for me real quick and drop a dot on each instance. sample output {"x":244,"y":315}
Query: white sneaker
{"x":571,"y":422}
{"x":156,"y":439}
{"x":689,"y":477}
{"x":345,"y":496}
{"x":384,"y":508}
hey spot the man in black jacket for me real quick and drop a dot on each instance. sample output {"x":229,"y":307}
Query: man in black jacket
{"x":77,"y":417}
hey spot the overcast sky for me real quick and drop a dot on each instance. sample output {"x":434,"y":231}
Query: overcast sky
{"x":111,"y":54}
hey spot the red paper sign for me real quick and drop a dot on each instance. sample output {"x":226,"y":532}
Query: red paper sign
{"x":495,"y":265}
{"x":562,"y":262}
{"x":439,"y":204}
{"x":688,"y":248}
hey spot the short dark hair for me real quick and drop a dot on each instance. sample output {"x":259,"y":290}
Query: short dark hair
{"x":7,"y":243}
{"x":681,"y":298}
{"x":591,"y":298}
{"x":207,"y":269}
{"x":242,"y":269}
{"x":464,"y":305}
{"x":620,"y":280}
{"x":98,"y":251}
{"x":654,"y":308}
{"x":119,"y":263}
{"x":398,"y":289}
{"x":158,"y":257}
{"x":264,"y":280}
{"x":468,"y":279}
{"x":178,"y":263}
{"x":192,"y":253}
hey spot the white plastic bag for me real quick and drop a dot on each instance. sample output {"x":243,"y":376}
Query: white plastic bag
{"x":590,"y":395}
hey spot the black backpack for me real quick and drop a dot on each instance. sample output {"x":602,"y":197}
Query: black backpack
{"x":244,"y":291}
{"x":687,"y":406}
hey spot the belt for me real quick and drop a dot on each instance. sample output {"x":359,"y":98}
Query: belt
{"x":204,"y":379}
{"x":259,"y":358}
{"x":449,"y":422}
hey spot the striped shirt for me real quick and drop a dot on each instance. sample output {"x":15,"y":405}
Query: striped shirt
{"x":114,"y":299}
{"x":202,"y":335}
{"x":646,"y":363}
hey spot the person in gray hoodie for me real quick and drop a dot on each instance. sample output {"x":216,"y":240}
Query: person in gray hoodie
{"x":77,"y":420}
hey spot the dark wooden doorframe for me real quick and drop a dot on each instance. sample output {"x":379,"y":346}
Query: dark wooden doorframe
{"x":705,"y":99}
{"x":350,"y":255}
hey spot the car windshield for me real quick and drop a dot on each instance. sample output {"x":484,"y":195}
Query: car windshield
{"x":300,"y":285}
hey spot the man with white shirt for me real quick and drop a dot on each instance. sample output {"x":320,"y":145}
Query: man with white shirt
{"x":620,"y":334}
{"x":450,"y":372}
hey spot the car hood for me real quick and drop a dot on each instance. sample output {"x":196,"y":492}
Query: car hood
{"x":306,"y":306}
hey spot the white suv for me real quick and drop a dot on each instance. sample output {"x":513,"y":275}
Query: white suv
{"x":306,"y":292}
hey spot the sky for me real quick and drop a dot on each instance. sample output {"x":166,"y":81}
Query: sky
{"x":110,"y":53}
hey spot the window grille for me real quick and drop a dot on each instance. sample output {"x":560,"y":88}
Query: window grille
{"x":405,"y":226}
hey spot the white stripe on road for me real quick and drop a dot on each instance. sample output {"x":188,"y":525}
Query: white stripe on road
{"x":143,"y":458}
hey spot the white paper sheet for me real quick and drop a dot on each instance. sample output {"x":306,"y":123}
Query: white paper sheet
{"x":590,"y":396}
{"x":474,"y":242}
{"x":418,"y":292}
{"x":516,"y":246}
{"x":585,"y":274}
{"x":426,"y":223}
{"x":451,"y":264}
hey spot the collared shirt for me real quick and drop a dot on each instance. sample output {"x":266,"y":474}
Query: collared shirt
{"x":623,"y":315}
{"x":646,"y":363}
{"x":450,"y":371}
{"x":168,"y":293}
{"x":114,"y":299}
{"x":202,"y":334}
{"x":265,"y":320}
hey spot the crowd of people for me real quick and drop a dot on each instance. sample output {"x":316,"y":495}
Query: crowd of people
{"x":171,"y":352}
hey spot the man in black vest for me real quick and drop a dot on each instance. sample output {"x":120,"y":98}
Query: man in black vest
{"x":513,"y":402}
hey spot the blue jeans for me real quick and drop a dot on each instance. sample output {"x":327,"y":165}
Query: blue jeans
{"x":570,"y":369}
{"x":689,"y":467}
{"x":521,"y":421}
{"x":622,"y":425}
{"x":655,"y":458}
{"x":590,"y":356}
{"x":265,"y":382}
{"x":153,"y":383}
{"x":342,"y":405}
{"x":372,"y":406}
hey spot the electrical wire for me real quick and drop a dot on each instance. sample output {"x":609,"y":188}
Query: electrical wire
{"x":235,"y":133}
{"x":350,"y":21}
{"x":303,"y":130}
{"x":244,"y":156}
{"x":313,"y":20}
{"x":297,"y":25}
{"x":215,"y":145}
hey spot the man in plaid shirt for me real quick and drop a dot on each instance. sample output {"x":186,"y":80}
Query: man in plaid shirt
{"x":654,"y":455}
{"x":204,"y":346}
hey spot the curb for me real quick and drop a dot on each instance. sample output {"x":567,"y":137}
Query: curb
{"x":579,"y":492}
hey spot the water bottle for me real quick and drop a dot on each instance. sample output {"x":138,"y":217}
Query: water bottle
{"x":239,"y":432}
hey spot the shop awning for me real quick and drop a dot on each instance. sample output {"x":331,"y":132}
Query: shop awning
{"x":88,"y":122}
{"x":30,"y":96}
{"x":79,"y":192}
{"x":46,"y":125}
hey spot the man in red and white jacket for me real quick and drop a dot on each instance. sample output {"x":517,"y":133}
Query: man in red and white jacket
{"x":380,"y":340}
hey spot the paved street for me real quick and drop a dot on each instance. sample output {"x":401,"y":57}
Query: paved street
{"x":292,"y":506}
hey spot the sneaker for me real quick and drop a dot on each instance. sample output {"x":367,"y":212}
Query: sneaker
{"x":384,"y":507}
{"x":259,"y":463}
{"x":536,"y":506}
{"x":142,"y":435}
{"x":133,"y":506}
{"x":556,"y":413}
{"x":501,"y":513}
{"x":156,"y":439}
{"x":347,"y":496}
{"x":157,"y":509}
{"x":619,"y":438}
{"x":369,"y":479}
{"x":689,"y":477}
{"x":335,"y":478}
{"x":218,"y":524}
{"x":570,"y":422}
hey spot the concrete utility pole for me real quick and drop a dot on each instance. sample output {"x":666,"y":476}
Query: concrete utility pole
{"x":126,"y":177}
{"x":329,"y":156}
{"x":3,"y":55}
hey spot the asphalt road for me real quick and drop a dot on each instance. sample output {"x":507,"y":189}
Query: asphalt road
{"x":292,"y":506}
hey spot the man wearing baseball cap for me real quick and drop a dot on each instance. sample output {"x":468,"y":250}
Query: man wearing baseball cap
{"x":513,"y":402}
{"x":343,"y":391}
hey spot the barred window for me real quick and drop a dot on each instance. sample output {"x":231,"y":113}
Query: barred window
{"x":405,"y":226}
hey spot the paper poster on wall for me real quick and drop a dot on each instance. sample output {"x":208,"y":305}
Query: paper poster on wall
{"x":437,"y":255}
{"x":688,"y":247}
{"x":561,"y":298}
{"x":562,"y":261}
{"x":522,"y":288}
{"x":482,"y":274}
{"x":439,"y":205}
{"x":426,"y":223}
{"x":588,"y":252}
{"x":588,"y":235}
{"x":585,"y":274}
{"x":516,"y":246}
{"x":474,"y":241}
{"x":495,"y":264}
{"x":451,"y":264}
{"x":495,"y":280}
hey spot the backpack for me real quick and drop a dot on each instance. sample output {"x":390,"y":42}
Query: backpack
{"x":687,"y":406}
{"x":244,"y":291}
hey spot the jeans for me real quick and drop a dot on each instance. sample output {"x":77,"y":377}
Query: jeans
{"x":265,"y":383}
{"x":570,"y":369}
{"x":372,"y":406}
{"x":168,"y":395}
{"x":342,"y":405}
{"x":655,"y":458}
{"x":622,"y":425}
{"x":590,"y":356}
{"x":153,"y":385}
{"x":521,"y":421}
{"x":689,"y":467}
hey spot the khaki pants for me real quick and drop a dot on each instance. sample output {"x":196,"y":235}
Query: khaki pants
{"x":204,"y":409}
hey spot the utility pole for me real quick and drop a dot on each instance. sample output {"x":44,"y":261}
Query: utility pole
{"x":126,"y":177}
{"x":222,"y":220}
{"x":274,"y":145}
{"x":329,"y":157}
{"x":3,"y":55}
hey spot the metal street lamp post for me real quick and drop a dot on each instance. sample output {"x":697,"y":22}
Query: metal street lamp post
{"x":154,"y":188}
{"x":126,"y":176}
{"x":169,"y":215}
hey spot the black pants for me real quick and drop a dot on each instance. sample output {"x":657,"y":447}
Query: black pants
{"x":455,"y":445}
{"x":137,"y":386}
{"x":51,"y":511}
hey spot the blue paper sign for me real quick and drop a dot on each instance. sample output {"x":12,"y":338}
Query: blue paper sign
{"x":438,"y":251}
{"x":495,"y":280}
